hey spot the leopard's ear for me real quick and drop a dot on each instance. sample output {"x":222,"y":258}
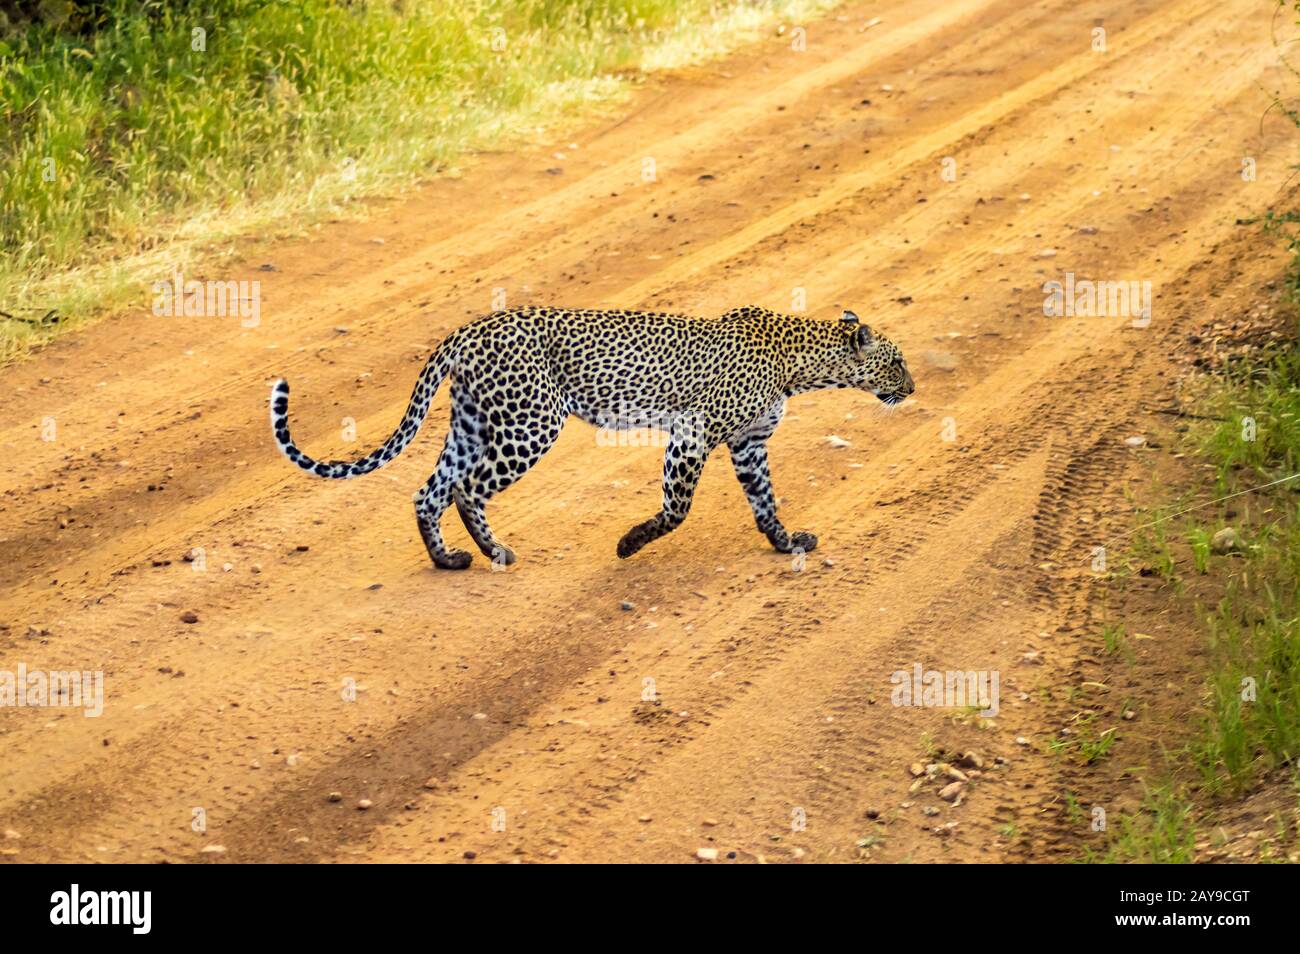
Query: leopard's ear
{"x":849,"y":318}
{"x":863,"y":340}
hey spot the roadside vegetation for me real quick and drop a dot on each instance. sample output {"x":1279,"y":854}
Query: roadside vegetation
{"x":1244,"y":739}
{"x":1247,"y":733}
{"x":138,"y":133}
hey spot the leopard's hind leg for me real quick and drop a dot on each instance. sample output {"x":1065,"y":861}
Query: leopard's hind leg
{"x":460,"y":455}
{"x":512,"y":443}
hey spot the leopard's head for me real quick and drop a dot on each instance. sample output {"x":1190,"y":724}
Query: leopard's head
{"x":872,"y":362}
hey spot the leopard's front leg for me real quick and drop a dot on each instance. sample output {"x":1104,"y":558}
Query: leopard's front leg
{"x":749,"y":457}
{"x":683,"y":461}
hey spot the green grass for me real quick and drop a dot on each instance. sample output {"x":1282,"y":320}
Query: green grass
{"x":1266,"y":396}
{"x":1250,"y":728}
{"x":1254,"y":713}
{"x":1254,"y":629}
{"x":1162,"y":831}
{"x":126,"y":145}
{"x":1152,"y":547}
{"x":1198,"y":538}
{"x":1115,"y":641}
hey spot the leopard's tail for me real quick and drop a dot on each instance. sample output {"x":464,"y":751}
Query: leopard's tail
{"x":435,"y":369}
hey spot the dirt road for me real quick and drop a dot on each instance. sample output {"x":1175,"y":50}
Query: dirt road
{"x":740,"y":704}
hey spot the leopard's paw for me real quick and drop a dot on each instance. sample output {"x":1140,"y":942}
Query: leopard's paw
{"x":453,"y":560}
{"x":806,"y":542}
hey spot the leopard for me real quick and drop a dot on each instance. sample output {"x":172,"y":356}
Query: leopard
{"x":517,"y":375}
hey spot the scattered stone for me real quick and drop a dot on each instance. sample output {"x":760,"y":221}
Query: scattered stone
{"x":706,"y":854}
{"x":432,"y":782}
{"x":189,"y":616}
{"x":1129,"y":715}
{"x":645,"y":819}
{"x":917,"y":769}
{"x":480,"y":716}
{"x":213,"y":850}
{"x":950,"y":791}
{"x":190,"y":555}
{"x":470,"y":855}
{"x":627,"y":606}
{"x":364,"y":804}
{"x":1135,"y":441}
{"x":873,"y":813}
{"x":834,"y":440}
{"x":955,"y":774}
{"x":336,"y":796}
{"x":256,"y":568}
{"x":971,"y":760}
{"x":11,"y":835}
{"x":1227,"y":540}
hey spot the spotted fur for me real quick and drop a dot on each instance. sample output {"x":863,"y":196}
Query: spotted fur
{"x":518,"y":375}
